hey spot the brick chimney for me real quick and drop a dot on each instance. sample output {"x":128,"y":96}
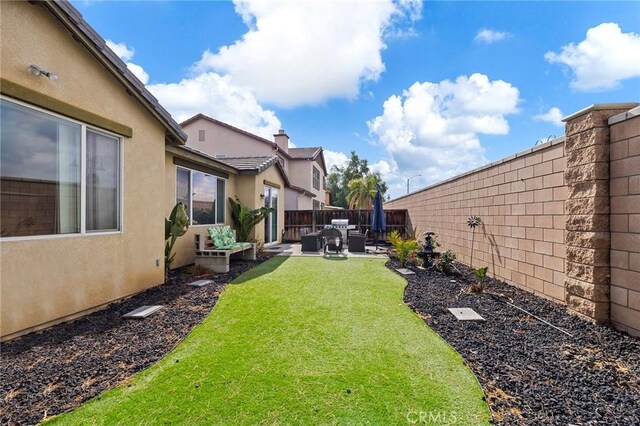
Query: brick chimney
{"x":282,"y":140}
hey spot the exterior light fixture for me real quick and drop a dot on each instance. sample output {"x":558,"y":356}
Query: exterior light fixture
{"x":37,"y":71}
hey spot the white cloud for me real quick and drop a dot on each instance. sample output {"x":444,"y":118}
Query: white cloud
{"x":554,"y":116}
{"x":334,"y":158}
{"x":121,"y":49}
{"x":126,"y":54}
{"x":432,"y":128}
{"x":216,"y":96}
{"x":297,"y":53}
{"x":489,"y":36}
{"x":139,"y":72}
{"x":208,"y":93}
{"x":606,"y":57}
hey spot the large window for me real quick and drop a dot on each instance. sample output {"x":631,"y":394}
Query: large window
{"x":316,"y":178}
{"x":203,"y":194}
{"x":57,"y":176}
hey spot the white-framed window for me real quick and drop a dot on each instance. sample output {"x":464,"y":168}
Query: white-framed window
{"x":316,"y":178}
{"x":203,"y":194}
{"x":57,"y":175}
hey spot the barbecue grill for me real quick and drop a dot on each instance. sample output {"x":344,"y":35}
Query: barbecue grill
{"x":342,"y":225}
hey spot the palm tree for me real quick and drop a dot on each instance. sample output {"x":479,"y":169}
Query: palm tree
{"x":362,"y":190}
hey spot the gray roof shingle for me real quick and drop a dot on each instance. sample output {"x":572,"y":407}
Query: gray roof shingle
{"x":258,"y":164}
{"x":304,"y":153}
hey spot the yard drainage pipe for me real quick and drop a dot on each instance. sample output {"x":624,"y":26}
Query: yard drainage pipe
{"x":534,"y":316}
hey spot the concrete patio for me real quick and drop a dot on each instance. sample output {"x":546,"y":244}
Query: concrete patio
{"x":295,"y":249}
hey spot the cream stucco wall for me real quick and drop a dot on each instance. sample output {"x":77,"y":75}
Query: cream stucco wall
{"x":249,"y":189}
{"x":223,"y":140}
{"x":301,"y":174}
{"x":291,"y":199}
{"x":48,"y":279}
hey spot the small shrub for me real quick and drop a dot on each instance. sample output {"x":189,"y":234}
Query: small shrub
{"x":245,"y":219}
{"x":393,"y":238}
{"x":403,"y":248}
{"x":481,"y":276}
{"x":444,"y":263}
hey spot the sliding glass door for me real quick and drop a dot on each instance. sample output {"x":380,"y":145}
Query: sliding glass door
{"x":271,"y":220}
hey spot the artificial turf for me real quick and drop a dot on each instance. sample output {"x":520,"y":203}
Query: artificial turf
{"x":302,"y":341}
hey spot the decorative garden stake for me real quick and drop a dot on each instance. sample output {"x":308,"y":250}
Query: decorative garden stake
{"x":472,"y":223}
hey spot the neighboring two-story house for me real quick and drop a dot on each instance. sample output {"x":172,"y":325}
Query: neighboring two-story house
{"x":307,"y":170}
{"x":305,"y":167}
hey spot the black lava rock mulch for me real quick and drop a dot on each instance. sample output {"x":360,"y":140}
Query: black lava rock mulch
{"x":531,"y":373}
{"x":55,"y":370}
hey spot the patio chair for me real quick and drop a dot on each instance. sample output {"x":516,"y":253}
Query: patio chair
{"x":332,"y":239}
{"x":310,"y":242}
{"x":357,"y":242}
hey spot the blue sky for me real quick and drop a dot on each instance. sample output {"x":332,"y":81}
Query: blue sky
{"x":432,"y":88}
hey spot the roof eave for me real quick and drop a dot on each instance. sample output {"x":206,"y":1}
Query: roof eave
{"x":191,"y":154}
{"x":95,"y":44}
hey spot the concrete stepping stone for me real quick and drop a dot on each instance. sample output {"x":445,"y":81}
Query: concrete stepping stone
{"x":465,"y":314}
{"x":200,"y":283}
{"x":405,"y":271}
{"x":142,"y":312}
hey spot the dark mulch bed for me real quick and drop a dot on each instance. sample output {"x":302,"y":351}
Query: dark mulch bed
{"x":56,"y":370}
{"x":532,"y":373}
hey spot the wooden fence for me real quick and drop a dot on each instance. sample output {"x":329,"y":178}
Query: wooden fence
{"x":315,"y":220}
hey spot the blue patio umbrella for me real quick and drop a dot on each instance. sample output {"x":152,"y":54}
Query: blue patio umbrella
{"x":377,"y":221}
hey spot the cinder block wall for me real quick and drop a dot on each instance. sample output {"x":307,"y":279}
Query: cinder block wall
{"x":520,"y":200}
{"x":625,"y":223}
{"x":561,"y":220}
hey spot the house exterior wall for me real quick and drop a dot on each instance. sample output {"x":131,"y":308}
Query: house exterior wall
{"x":521,"y":203}
{"x":625,"y":224}
{"x":321,"y":192}
{"x":291,"y":199}
{"x":305,"y":202}
{"x":53,"y":278}
{"x":301,"y":174}
{"x":222,"y":140}
{"x":184,"y":247}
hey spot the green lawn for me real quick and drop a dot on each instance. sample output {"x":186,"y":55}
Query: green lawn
{"x":302,"y":341}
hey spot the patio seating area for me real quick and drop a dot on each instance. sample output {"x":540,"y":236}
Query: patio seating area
{"x":297,"y":250}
